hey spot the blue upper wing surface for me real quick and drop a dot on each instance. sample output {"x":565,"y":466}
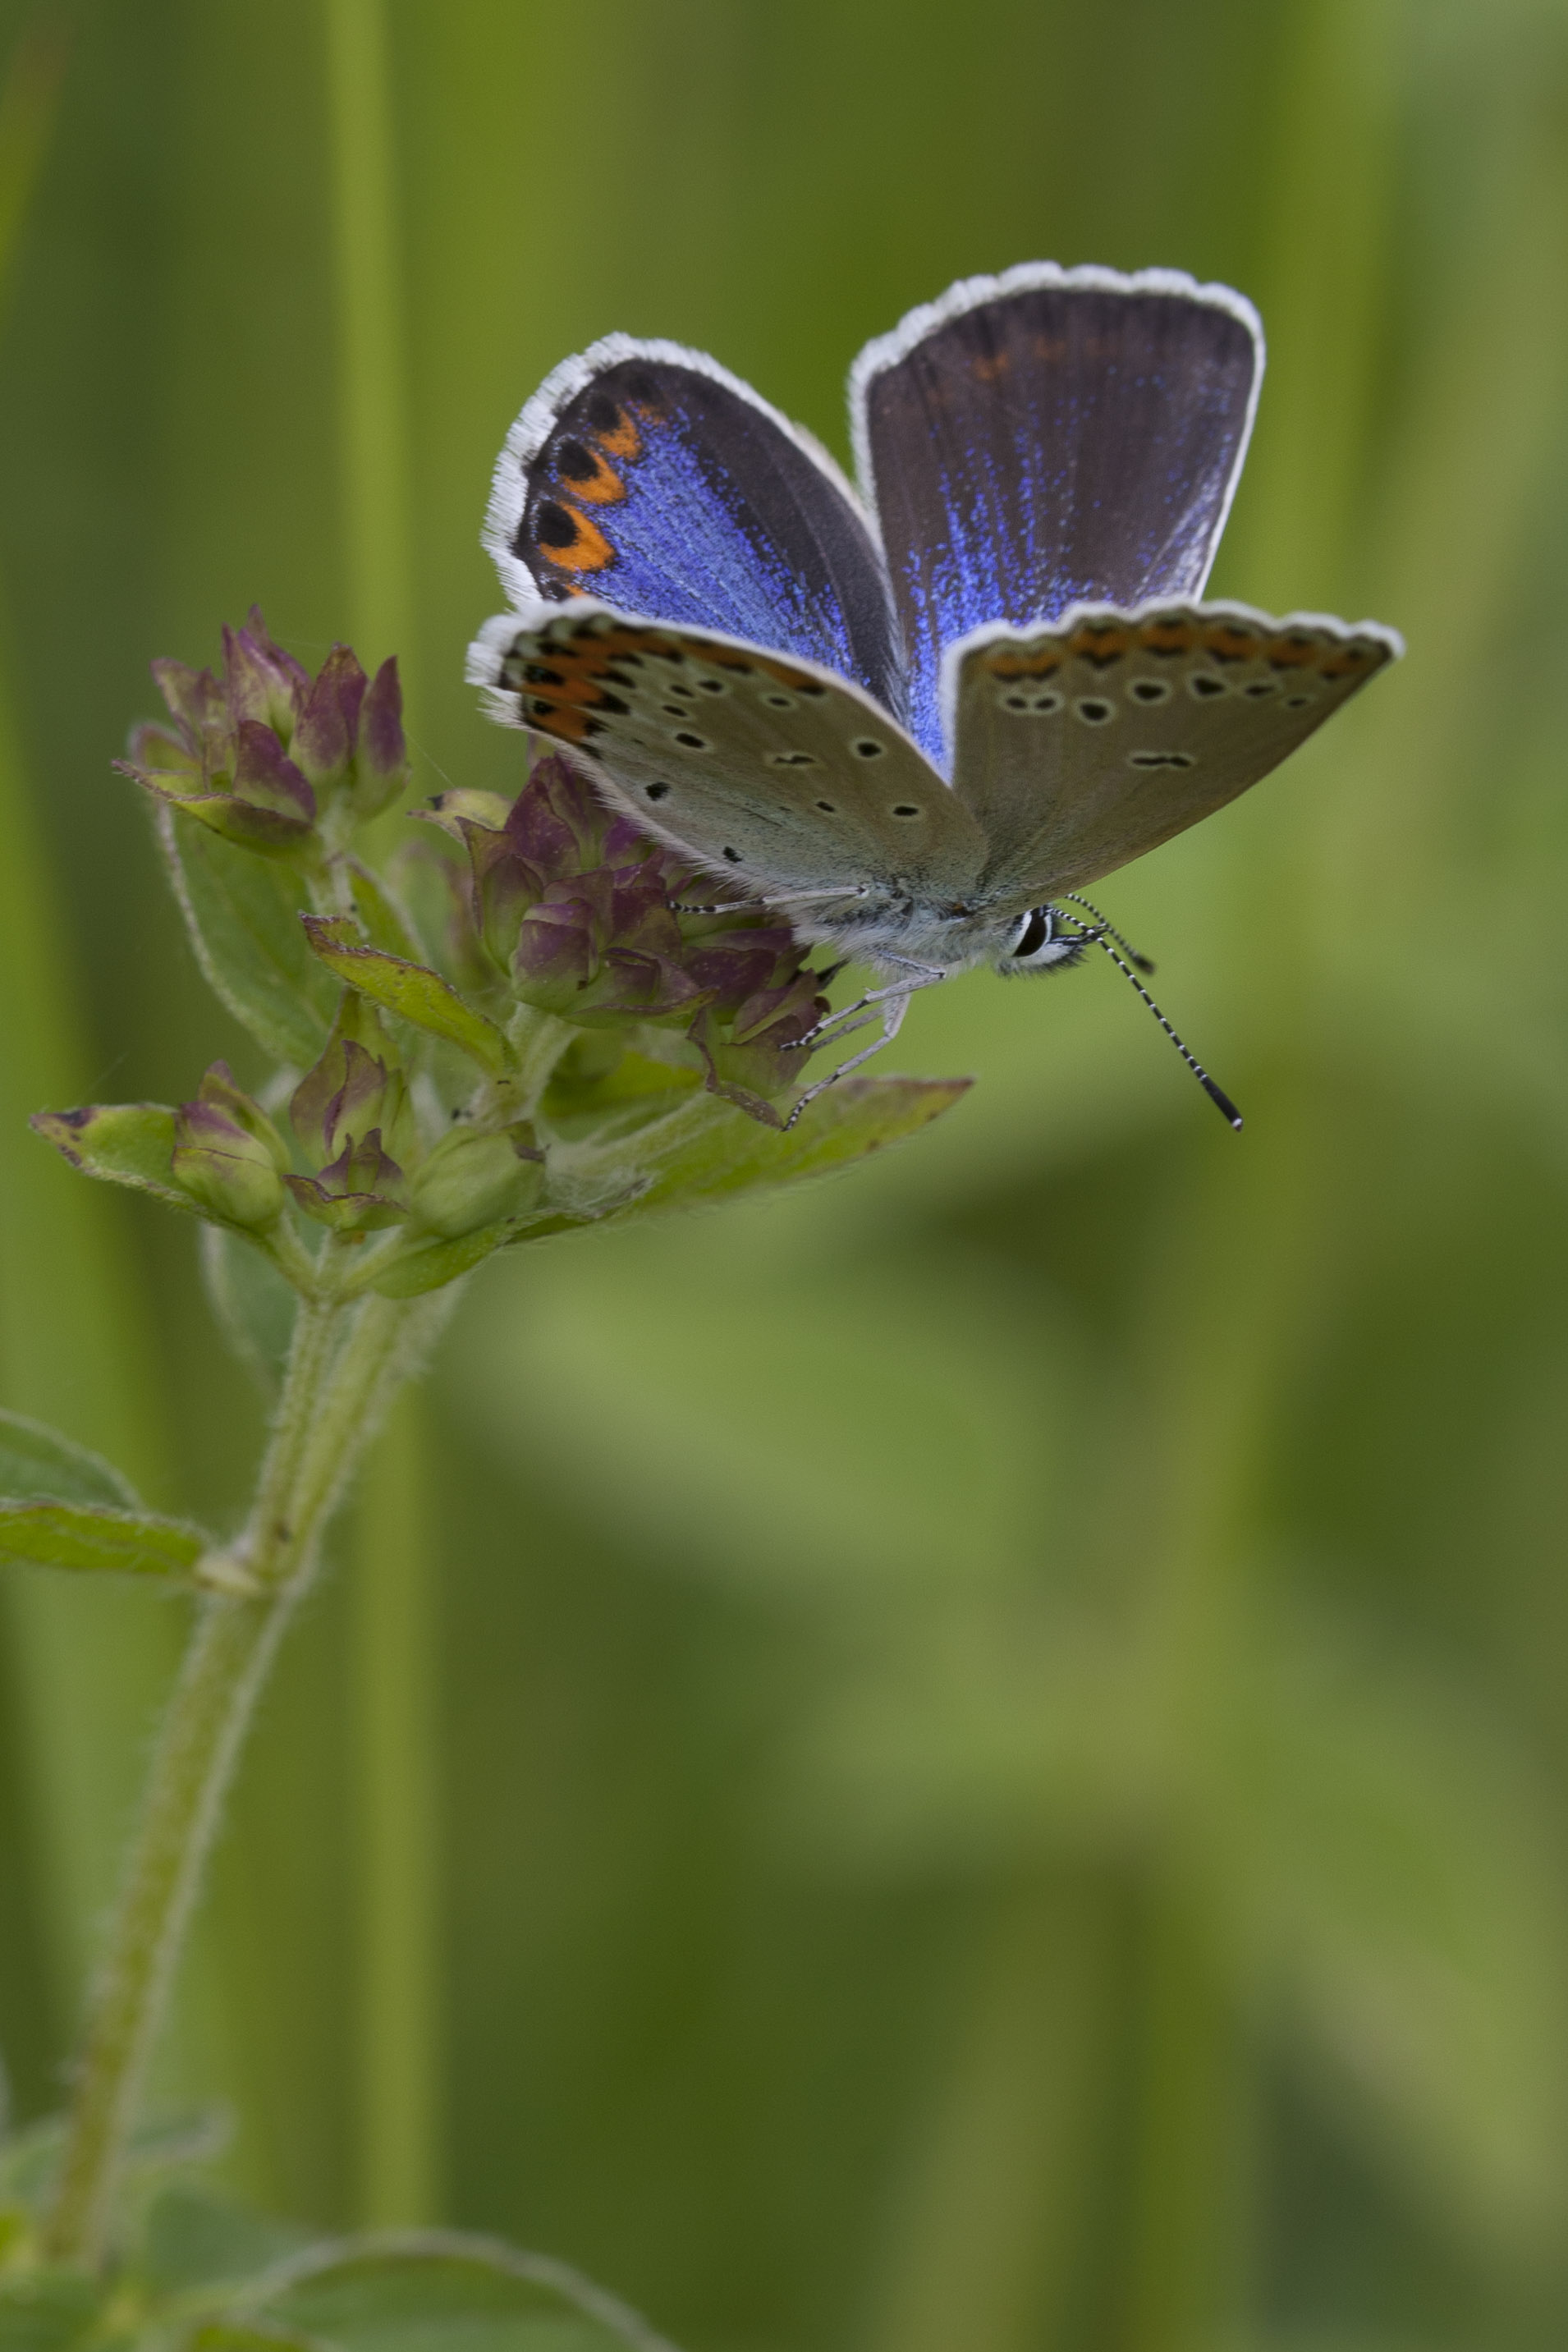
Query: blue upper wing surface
{"x":1046,"y":438}
{"x":644,"y":475}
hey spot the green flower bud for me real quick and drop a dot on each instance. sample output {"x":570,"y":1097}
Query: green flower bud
{"x":219,"y":1089}
{"x":472,"y":1179}
{"x":229,"y":1172}
{"x":360,"y":1192}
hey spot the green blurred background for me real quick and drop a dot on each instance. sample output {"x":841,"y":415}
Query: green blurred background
{"x":974,"y":1761}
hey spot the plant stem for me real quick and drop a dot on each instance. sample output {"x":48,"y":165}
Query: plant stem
{"x":345,"y":1365}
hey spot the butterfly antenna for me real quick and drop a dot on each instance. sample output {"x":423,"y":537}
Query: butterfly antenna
{"x":1216,"y":1095}
{"x":1110,"y":931}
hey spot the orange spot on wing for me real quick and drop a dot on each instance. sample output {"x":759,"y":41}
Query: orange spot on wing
{"x":624,"y":440}
{"x":1168,"y":636}
{"x":603,"y":487}
{"x":1294,"y":652}
{"x":1346,"y":661}
{"x":568,"y":726}
{"x":1095,"y":639}
{"x":1229,"y":641}
{"x":1016,"y":665}
{"x":587,"y":550}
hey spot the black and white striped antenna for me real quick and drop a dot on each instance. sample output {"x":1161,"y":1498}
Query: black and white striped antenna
{"x":1101,"y":937}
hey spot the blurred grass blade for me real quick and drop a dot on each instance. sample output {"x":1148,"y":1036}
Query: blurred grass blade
{"x":74,"y":1344}
{"x":400,"y":2088}
{"x":28,"y":102}
{"x":398,"y":1988}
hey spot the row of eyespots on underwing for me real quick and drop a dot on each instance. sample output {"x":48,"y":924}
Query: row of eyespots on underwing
{"x":1097,"y":710}
{"x":661,"y":790}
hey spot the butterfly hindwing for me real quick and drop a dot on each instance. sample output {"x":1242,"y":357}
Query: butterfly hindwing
{"x":775,"y":771}
{"x":1048,"y":438}
{"x":644,"y":475}
{"x":1081,"y":747}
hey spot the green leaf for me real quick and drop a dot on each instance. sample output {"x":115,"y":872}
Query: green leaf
{"x":706,"y":1149}
{"x":412,"y":990}
{"x":77,"y":1535}
{"x":30,"y":2158}
{"x":242,"y":915}
{"x":38,"y":1462}
{"x":426,"y":2291}
{"x":254,"y":1305}
{"x":193,"y":2239}
{"x":49,"y":2311}
{"x":385,"y":924}
{"x":430,"y":1263}
{"x":124,"y":1143}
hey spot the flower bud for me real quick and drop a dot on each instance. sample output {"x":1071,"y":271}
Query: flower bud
{"x":361,"y":1191}
{"x":226,"y":1162}
{"x":219,"y":1089}
{"x":382,"y":769}
{"x":262,"y":682}
{"x":356,"y":1086}
{"x":604,"y":948}
{"x":472,"y":1179}
{"x":329,"y":724}
{"x":251,"y":754}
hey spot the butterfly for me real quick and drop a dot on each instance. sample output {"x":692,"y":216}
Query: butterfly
{"x":924,"y":715}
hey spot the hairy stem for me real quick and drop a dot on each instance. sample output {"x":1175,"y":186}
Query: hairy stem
{"x":345,"y":1365}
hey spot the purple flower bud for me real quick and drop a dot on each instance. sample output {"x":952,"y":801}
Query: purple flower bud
{"x":154,"y":748}
{"x":555,"y":823}
{"x":324,"y":741}
{"x":228,"y":1171}
{"x":261,"y":681}
{"x":355,"y":1087}
{"x":265,"y":777}
{"x":194,"y":699}
{"x":748,"y":1056}
{"x":360,"y":1192}
{"x":219,"y":1091}
{"x":382,"y":769}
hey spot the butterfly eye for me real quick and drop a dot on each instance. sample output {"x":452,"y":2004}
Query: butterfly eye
{"x":1033,"y":932}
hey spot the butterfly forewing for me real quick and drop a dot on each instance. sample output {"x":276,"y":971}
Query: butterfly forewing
{"x":644,"y":475}
{"x":1081,"y":747}
{"x":775,"y":771}
{"x":1048,"y":438}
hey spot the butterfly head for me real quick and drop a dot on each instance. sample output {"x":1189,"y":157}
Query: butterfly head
{"x":1039,"y":940}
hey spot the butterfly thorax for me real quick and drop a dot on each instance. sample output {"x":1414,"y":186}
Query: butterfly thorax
{"x":890,"y":930}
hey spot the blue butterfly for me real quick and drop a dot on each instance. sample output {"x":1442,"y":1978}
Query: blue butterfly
{"x":921,"y":716}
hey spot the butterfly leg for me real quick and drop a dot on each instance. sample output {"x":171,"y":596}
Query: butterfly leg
{"x":892,"y":1008}
{"x":891,"y":1002}
{"x":926,"y":976}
